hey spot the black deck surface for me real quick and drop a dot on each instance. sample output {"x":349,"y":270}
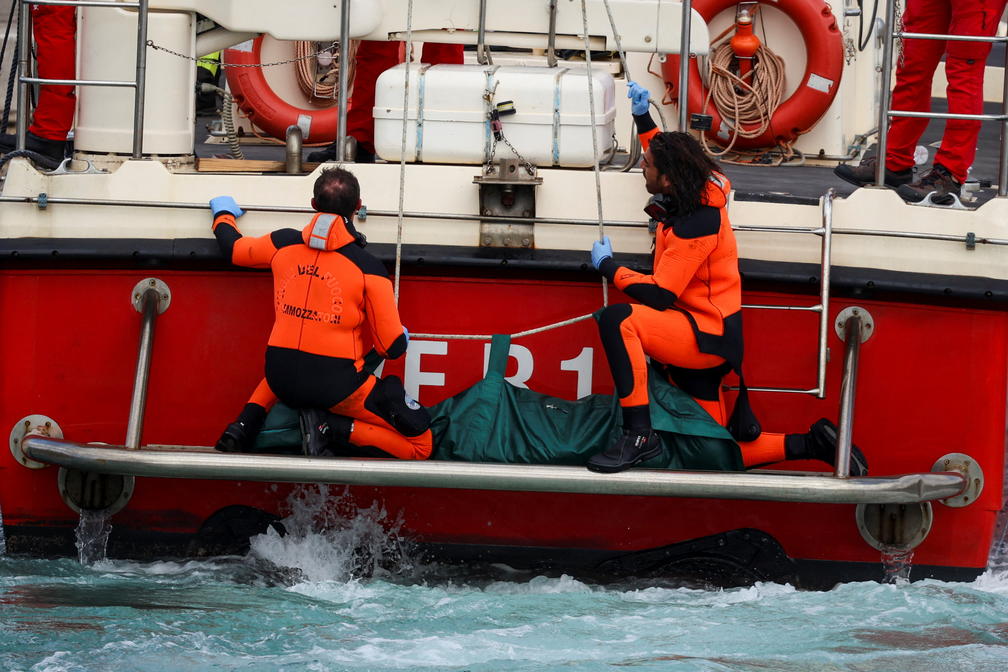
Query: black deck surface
{"x":802,"y":181}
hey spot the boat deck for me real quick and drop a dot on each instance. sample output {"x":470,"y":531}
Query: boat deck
{"x":807,"y":182}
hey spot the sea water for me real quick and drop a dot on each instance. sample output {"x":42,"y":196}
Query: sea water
{"x":342,"y":590}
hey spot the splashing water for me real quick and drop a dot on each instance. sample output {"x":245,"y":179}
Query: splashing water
{"x":92,"y":536}
{"x":329,"y":538}
{"x":303,"y":600}
{"x":897,"y":562}
{"x":3,"y":539}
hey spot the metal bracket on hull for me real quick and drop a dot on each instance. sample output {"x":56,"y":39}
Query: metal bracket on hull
{"x":894,"y":526}
{"x":506,"y":191}
{"x":206,"y":463}
{"x":92,"y":491}
{"x":970,"y":470}
{"x":40,"y":425}
{"x":867,"y":323}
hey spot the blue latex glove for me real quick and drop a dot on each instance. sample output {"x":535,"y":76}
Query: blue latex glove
{"x":638,"y":96}
{"x":405,"y":332}
{"x":602,"y":249}
{"x":225,"y":204}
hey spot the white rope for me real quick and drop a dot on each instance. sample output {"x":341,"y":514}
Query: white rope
{"x":619,"y":47}
{"x":402,"y":157}
{"x":487,"y":337}
{"x":598,"y":178}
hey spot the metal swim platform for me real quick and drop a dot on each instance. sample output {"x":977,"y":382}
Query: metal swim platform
{"x":205,"y":463}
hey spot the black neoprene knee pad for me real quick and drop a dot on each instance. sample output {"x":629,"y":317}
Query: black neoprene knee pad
{"x":389,"y":401}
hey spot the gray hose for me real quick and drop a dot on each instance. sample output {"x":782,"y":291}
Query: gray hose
{"x":226,"y":118}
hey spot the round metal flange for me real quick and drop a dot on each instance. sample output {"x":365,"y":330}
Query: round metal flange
{"x":867,"y":323}
{"x":151,"y":283}
{"x":887,"y":525}
{"x":968,"y":467}
{"x":92,"y":491}
{"x":42,"y":425}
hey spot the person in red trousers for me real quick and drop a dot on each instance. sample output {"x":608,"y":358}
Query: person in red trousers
{"x":964,"y":68}
{"x":374,"y":58}
{"x":55,"y":30}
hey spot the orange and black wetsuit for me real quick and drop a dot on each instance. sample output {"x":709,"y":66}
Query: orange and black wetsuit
{"x":689,"y":317}
{"x":326,"y":291}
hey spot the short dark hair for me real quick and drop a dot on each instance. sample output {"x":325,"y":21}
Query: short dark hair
{"x":681,"y":159}
{"x":337,"y":192}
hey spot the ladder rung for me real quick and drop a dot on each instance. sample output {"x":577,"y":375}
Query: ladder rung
{"x":789,"y":390}
{"x":87,"y":3}
{"x":950,"y":38}
{"x":76,"y":82}
{"x":812,"y":309}
{"x":947,"y":115}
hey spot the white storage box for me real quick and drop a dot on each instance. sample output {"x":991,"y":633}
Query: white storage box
{"x":551,"y":125}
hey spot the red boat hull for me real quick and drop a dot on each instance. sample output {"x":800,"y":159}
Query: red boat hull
{"x":932,"y":380}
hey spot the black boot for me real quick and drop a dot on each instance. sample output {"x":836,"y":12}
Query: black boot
{"x":315,"y":433}
{"x":633,"y":447}
{"x":819,"y":443}
{"x":637,"y":444}
{"x":239,"y":436}
{"x":53,"y":149}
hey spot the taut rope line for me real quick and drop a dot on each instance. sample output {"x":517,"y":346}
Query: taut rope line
{"x":402,"y":157}
{"x":598,"y":173}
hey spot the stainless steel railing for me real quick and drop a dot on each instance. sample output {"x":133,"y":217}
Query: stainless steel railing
{"x":149,"y":308}
{"x":886,"y":114}
{"x":205,"y":463}
{"x":848,"y":386}
{"x":24,"y":52}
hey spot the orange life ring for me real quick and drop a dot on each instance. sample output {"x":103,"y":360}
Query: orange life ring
{"x":806,"y":106}
{"x":265,"y":109}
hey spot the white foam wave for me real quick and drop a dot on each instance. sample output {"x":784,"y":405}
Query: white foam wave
{"x":540,"y":585}
{"x":328,"y":538}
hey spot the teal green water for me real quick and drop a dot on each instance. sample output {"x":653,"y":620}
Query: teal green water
{"x":299,"y":603}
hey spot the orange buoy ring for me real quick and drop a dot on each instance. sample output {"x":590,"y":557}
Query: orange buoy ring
{"x":806,"y":106}
{"x":265,"y":108}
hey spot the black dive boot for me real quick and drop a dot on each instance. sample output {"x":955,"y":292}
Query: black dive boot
{"x":240,"y":434}
{"x":638,"y":443}
{"x":820,"y":444}
{"x":315,"y":434}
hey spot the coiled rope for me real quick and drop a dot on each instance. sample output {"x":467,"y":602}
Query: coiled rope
{"x":748,"y":101}
{"x":320,"y":88}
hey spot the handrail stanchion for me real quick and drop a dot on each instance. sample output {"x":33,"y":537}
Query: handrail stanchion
{"x":684,"y":63}
{"x":344,"y":82}
{"x":1003,"y":173}
{"x":141,"y":80}
{"x":138,"y":402}
{"x":824,"y":294}
{"x":482,"y":53}
{"x":884,"y":98}
{"x":24,"y":49}
{"x":848,"y":387}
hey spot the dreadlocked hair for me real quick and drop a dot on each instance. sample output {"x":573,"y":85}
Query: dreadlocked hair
{"x":681,"y":159}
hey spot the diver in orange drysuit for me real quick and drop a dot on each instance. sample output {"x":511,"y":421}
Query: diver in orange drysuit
{"x":327,"y":291}
{"x":690,"y":313}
